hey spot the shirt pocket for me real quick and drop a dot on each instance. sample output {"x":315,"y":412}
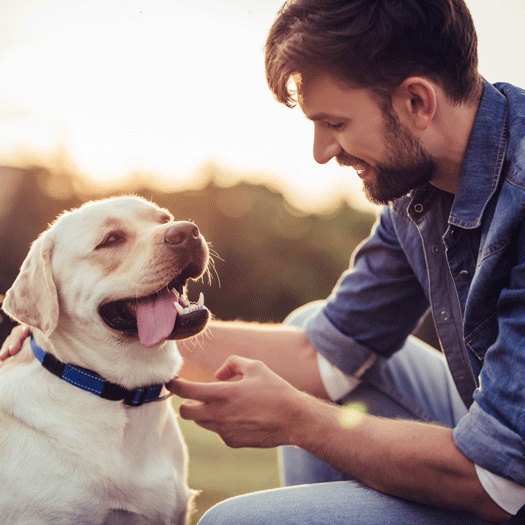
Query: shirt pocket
{"x":483,"y":336}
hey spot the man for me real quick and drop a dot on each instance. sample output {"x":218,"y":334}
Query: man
{"x":392,"y":89}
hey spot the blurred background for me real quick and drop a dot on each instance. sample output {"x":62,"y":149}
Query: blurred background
{"x":167,"y":99}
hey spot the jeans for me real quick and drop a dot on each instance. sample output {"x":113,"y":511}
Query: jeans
{"x":414,"y":383}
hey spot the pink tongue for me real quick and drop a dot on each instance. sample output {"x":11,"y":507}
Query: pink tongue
{"x":156,"y":318}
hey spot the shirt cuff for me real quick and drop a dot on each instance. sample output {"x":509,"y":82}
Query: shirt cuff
{"x":337,"y":384}
{"x":339,"y":349}
{"x":491,"y":444}
{"x":510,"y":496}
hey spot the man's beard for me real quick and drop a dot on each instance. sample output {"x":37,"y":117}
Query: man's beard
{"x":408,"y":165}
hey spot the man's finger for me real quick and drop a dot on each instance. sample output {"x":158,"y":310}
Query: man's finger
{"x":209,"y":425}
{"x":197,"y":391}
{"x":236,"y":367}
{"x":195,"y":411}
{"x":231,"y":369}
{"x":14,"y":341}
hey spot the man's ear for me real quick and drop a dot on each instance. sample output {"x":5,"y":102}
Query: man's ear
{"x":416,"y":100}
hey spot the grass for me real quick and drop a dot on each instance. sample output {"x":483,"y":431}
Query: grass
{"x":220,"y":472}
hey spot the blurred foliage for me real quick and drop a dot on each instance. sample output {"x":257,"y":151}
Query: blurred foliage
{"x":271,"y":257}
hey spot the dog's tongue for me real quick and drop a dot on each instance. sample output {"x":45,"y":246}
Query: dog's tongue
{"x":156,"y":318}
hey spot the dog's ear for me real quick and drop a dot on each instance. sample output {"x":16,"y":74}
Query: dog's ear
{"x":33,"y":298}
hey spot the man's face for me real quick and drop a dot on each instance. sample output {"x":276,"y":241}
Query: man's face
{"x":352,"y":126}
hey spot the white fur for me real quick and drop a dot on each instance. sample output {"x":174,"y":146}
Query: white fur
{"x":67,"y":456}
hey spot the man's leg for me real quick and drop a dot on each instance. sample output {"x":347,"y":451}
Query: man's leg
{"x":337,"y":503}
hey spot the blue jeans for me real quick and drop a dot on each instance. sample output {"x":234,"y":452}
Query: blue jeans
{"x":414,"y":383}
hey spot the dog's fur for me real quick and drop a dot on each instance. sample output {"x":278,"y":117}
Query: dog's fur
{"x":69,"y":457}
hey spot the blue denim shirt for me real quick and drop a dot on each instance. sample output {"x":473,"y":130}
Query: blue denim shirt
{"x":463,"y":256}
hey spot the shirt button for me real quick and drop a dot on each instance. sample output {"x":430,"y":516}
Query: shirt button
{"x":464,"y":275}
{"x":435,"y":248}
{"x":444,"y":315}
{"x":418,"y":208}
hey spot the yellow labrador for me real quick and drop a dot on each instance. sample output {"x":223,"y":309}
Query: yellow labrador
{"x":86,"y":436}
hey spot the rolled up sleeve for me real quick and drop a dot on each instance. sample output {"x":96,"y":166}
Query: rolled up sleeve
{"x":340,"y":350}
{"x":491,"y":444}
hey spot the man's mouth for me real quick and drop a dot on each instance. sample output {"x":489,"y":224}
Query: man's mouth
{"x":359,"y":165}
{"x":166,"y":314}
{"x":362,"y":170}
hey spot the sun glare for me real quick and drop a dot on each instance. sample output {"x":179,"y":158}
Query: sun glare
{"x":162,"y":86}
{"x":133,"y":82}
{"x":352,"y":415}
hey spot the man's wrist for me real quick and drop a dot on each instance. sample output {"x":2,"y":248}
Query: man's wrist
{"x":306,"y":420}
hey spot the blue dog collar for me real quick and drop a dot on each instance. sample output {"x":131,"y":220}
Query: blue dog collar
{"x":93,"y":382}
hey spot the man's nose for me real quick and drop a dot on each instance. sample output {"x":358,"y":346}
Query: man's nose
{"x":326,"y":146}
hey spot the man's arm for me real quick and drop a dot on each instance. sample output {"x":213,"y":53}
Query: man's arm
{"x":284,"y":349}
{"x":408,"y":459}
{"x":252,"y":407}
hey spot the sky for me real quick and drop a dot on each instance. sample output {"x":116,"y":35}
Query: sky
{"x":167,"y":85}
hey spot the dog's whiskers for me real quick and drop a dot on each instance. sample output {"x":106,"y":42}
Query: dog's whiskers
{"x":195,"y":341}
{"x":211,"y":266}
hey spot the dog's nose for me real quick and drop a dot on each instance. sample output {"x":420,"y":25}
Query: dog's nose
{"x":182,"y":235}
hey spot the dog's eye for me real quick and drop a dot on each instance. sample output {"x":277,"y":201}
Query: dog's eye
{"x":111,"y":239}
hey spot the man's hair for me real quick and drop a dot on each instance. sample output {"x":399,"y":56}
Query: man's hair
{"x":374,"y":44}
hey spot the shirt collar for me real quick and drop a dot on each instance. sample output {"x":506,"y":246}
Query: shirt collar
{"x":482,"y":167}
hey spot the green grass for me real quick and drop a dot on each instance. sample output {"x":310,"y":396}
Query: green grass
{"x":220,"y":472}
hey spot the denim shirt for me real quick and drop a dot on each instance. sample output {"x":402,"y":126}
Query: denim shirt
{"x":463,"y":256}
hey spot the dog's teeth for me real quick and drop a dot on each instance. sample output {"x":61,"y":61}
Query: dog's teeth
{"x":184,"y":307}
{"x":179,"y":308}
{"x":184,"y":302}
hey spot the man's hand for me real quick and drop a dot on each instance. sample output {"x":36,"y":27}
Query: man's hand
{"x":13,"y":342}
{"x":250,"y":406}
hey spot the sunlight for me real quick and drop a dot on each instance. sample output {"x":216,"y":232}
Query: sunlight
{"x":127,"y":87}
{"x":163,"y":86}
{"x":130,"y":81}
{"x":352,"y":415}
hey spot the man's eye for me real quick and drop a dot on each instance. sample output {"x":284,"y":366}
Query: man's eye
{"x":111,"y":239}
{"x":335,"y":126}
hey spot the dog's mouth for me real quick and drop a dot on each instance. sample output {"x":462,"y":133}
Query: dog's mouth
{"x":166,"y":314}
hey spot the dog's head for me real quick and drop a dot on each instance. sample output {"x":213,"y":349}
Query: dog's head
{"x":112,"y":269}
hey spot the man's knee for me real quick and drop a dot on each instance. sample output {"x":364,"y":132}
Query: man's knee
{"x":232,"y":511}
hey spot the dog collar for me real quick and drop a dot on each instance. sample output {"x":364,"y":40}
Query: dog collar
{"x":93,"y":382}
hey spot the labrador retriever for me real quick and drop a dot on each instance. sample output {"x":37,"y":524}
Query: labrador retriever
{"x":87,"y":434}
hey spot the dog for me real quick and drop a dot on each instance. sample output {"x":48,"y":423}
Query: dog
{"x":87,"y":434}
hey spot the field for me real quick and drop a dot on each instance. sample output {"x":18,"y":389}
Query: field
{"x":220,"y":472}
